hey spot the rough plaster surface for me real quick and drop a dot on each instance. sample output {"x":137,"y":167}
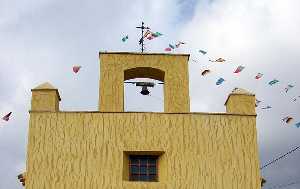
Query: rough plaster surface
{"x":85,"y":150}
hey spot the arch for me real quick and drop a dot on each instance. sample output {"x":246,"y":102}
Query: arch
{"x":144,"y":72}
{"x":169,"y":68}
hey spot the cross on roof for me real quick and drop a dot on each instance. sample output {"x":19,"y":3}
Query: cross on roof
{"x":141,"y":41}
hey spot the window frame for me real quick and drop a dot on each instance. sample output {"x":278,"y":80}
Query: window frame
{"x":160,"y":162}
{"x":132,"y":176}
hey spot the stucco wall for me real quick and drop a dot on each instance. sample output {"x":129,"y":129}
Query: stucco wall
{"x":84,"y":150}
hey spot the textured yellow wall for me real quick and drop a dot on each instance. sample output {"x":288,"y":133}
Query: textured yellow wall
{"x":88,"y":150}
{"x":113,"y":66}
{"x":84,"y":150}
{"x":45,"y":100}
{"x":240,"y":104}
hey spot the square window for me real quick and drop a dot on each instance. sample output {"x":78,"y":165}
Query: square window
{"x":143,"y":168}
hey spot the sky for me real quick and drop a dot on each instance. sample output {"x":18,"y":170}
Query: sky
{"x":40,"y":41}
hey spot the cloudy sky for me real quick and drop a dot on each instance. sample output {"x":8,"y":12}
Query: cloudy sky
{"x":40,"y":40}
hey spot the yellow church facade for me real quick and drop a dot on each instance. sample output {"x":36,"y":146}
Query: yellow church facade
{"x":113,"y":149}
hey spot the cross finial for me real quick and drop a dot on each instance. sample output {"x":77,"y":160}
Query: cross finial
{"x":141,"y":41}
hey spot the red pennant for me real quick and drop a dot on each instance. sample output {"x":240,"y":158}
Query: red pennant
{"x":76,"y":69}
{"x":150,"y":37}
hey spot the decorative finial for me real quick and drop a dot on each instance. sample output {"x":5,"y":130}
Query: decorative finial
{"x":141,"y":41}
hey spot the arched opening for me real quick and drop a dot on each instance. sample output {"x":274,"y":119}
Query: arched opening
{"x":144,"y":90}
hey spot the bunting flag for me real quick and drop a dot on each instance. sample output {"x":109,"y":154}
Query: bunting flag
{"x":288,"y":88}
{"x":274,"y":81}
{"x":171,"y":46}
{"x":7,"y":116}
{"x":125,"y":38}
{"x":266,"y":107}
{"x":156,"y":34}
{"x":259,"y":75}
{"x":205,"y":72}
{"x":202,"y":52}
{"x":297,"y":125}
{"x":257,"y":102}
{"x":150,"y":37}
{"x":148,"y":32}
{"x":218,"y":60}
{"x":76,"y":69}
{"x":287,"y":119}
{"x":179,"y":43}
{"x":239,"y":69}
{"x":168,"y":49}
{"x":220,"y":81}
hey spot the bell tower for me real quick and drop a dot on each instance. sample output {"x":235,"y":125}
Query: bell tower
{"x":114,"y":149}
{"x":172,"y":69}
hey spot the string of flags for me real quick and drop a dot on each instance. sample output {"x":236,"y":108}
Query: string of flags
{"x":258,"y":76}
{"x":172,"y":47}
{"x":151,"y":35}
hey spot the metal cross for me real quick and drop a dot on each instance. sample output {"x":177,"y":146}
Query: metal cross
{"x":141,"y":41}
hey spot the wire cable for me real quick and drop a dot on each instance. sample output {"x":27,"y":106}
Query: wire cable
{"x":273,"y":161}
{"x":285,"y":185}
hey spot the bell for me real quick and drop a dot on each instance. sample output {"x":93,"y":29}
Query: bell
{"x":145,"y":91}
